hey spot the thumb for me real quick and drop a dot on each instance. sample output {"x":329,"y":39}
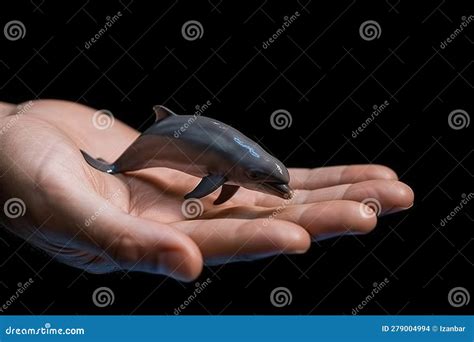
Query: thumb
{"x":139,"y":244}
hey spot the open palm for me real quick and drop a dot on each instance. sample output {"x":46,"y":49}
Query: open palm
{"x":140,"y":222}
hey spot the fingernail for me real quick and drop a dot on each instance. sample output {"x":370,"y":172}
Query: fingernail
{"x":397,"y":209}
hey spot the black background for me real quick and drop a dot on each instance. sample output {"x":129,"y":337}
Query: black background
{"x":328,"y":78}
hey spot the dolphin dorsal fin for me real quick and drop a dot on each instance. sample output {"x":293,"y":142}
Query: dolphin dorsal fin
{"x":162,"y":112}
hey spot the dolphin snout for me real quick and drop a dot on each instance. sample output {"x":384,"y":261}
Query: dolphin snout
{"x":278,"y":189}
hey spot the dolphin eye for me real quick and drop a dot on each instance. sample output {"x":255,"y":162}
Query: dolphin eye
{"x":254,"y":174}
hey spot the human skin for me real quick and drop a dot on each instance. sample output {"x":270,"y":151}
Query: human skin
{"x":135,"y":220}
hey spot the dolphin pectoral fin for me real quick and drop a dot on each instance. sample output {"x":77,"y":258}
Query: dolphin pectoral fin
{"x":226,"y":193}
{"x":207,"y":185}
{"x":99,"y":164}
{"x":162,"y":112}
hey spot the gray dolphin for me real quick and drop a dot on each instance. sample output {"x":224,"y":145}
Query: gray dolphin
{"x":202,"y":147}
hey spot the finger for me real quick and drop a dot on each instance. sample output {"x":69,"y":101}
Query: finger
{"x":5,"y":108}
{"x":318,"y":219}
{"x":389,"y":195}
{"x":335,"y":175}
{"x":229,"y":240}
{"x":138,"y":244}
{"x":384,"y":196}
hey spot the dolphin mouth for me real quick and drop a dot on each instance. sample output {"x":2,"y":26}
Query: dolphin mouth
{"x":278,"y":189}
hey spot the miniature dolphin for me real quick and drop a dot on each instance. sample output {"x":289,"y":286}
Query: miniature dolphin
{"x":202,"y":147}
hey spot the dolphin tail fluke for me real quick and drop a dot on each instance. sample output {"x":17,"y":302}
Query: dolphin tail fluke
{"x":98,"y":164}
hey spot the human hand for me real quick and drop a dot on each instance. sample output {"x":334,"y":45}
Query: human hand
{"x":136,"y":222}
